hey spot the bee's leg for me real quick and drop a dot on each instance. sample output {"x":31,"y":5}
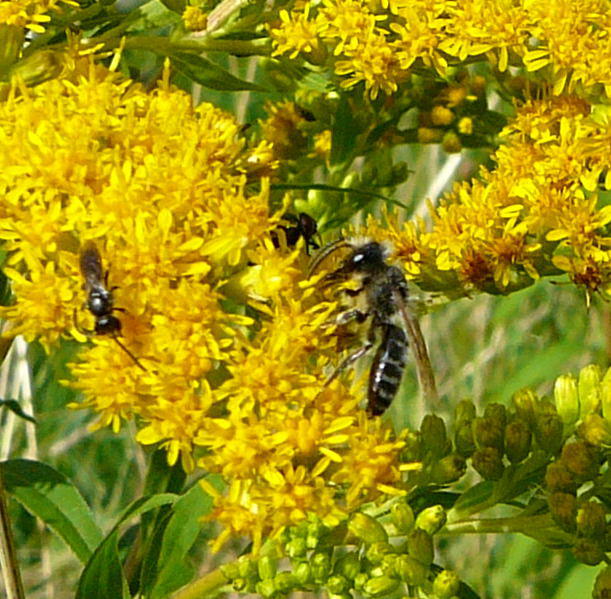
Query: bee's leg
{"x":78,"y":327}
{"x":350,"y":315}
{"x":353,"y":357}
{"x":129,"y":353}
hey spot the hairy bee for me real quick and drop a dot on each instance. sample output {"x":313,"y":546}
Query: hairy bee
{"x":383,"y":294}
{"x":100,"y":300}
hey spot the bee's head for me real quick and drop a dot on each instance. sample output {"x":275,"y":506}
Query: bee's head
{"x":367,"y":258}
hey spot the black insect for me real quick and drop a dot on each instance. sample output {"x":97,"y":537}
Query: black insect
{"x":100,"y":301}
{"x":304,"y":226}
{"x":383,"y":293}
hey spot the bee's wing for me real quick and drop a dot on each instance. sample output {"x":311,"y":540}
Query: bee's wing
{"x":426,"y":376}
{"x":91,"y":264}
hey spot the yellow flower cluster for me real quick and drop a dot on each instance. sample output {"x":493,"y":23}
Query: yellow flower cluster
{"x":161,"y":188}
{"x":31,"y":14}
{"x":536,"y":214}
{"x":377,"y":43}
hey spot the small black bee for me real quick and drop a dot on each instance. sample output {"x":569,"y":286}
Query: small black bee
{"x":304,"y":226}
{"x":100,"y":301}
{"x":383,"y":293}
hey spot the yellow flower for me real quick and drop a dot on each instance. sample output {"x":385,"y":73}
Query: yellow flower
{"x":195,"y":18}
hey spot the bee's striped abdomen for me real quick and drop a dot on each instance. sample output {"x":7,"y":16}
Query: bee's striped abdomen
{"x":387,"y":369}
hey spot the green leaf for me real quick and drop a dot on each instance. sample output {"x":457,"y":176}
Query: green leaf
{"x":103,"y":575}
{"x":14,"y":406}
{"x":345,"y":132}
{"x":209,"y":74}
{"x":181,"y":532}
{"x":48,"y":495}
{"x":477,"y":494}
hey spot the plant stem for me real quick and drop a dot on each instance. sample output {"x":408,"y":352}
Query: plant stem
{"x":8,"y":556}
{"x":204,"y":587}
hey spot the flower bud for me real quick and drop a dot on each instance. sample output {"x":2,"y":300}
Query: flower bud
{"x":410,"y":570}
{"x":488,"y":462}
{"x":441,"y":116}
{"x":367,"y":528}
{"x":488,"y":433}
{"x":338,"y":584}
{"x":602,"y":585}
{"x":605,"y":394}
{"x":525,"y":402}
{"x":559,"y":478}
{"x":377,"y":551}
{"x":581,"y":460}
{"x":464,"y":411}
{"x":427,"y":135}
{"x":296,"y":548}
{"x":348,"y":566}
{"x":314,"y":531}
{"x":589,"y":390}
{"x":446,"y":584}
{"x":566,"y":399}
{"x":38,"y":67}
{"x":451,"y":142}
{"x":596,"y":430}
{"x":267,"y":567}
{"x":380,"y":586}
{"x":517,"y":441}
{"x":321,"y":567}
{"x":266,"y":588}
{"x":247,"y":568}
{"x":420,"y":546}
{"x":563,"y":508}
{"x":11,"y":44}
{"x":434,"y":437}
{"x":496,"y":412}
{"x":463,"y":438}
{"x":448,"y":469}
{"x":413,"y":450}
{"x":303,"y":573}
{"x":588,"y":551}
{"x":465,"y":126}
{"x":591,"y":520}
{"x":402,"y":516}
{"x":360,"y":580}
{"x":285,"y":582}
{"x":548,"y":431}
{"x":431,"y":519}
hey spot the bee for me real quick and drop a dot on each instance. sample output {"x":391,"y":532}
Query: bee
{"x":303,"y":226}
{"x":100,"y":300}
{"x":382,"y":296}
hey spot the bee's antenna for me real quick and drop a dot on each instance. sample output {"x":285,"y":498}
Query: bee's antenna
{"x":129,"y":353}
{"x":426,"y":376}
{"x":325,"y":253}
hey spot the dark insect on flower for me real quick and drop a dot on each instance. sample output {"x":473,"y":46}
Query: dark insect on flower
{"x":100,"y":301}
{"x":304,"y":226}
{"x":382,"y":292}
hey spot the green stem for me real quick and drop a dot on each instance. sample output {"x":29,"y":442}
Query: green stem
{"x":8,"y":557}
{"x":165,"y":46}
{"x":203,"y":588}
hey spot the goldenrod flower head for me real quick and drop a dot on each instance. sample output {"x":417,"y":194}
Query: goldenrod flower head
{"x":195,"y":19}
{"x":31,"y":14}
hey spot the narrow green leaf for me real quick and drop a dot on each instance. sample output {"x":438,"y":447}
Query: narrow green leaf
{"x":210,"y":75}
{"x":48,"y":495}
{"x":181,"y":532}
{"x":477,"y":494}
{"x":14,"y":406}
{"x":345,"y":131}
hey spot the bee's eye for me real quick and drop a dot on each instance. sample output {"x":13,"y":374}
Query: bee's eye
{"x":358,"y":258}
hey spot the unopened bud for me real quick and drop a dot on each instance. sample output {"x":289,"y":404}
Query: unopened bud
{"x":602,"y":585}
{"x":589,"y":390}
{"x":427,"y":135}
{"x":591,"y":520}
{"x":38,"y":67}
{"x":448,"y":469}
{"x":581,"y":459}
{"x":360,"y":581}
{"x":588,"y":551}
{"x":488,"y":462}
{"x":413,"y":450}
{"x":465,"y":126}
{"x":285,"y":582}
{"x":446,"y":584}
{"x":380,"y":586}
{"x":247,"y":568}
{"x":566,"y":399}
{"x":496,"y":412}
{"x":349,"y":565}
{"x":440,"y":116}
{"x":267,"y":566}
{"x":431,"y":519}
{"x":463,"y":439}
{"x":563,"y":508}
{"x":321,"y":567}
{"x":451,"y":142}
{"x":420,"y":546}
{"x":434,"y":437}
{"x":367,"y":528}
{"x":464,"y":411}
{"x":525,"y":402}
{"x":410,"y":570}
{"x":338,"y":584}
{"x":303,"y":573}
{"x":266,"y":588}
{"x":402,"y":516}
{"x":377,"y":551}
{"x":559,"y":478}
{"x":596,"y":430}
{"x":517,"y":440}
{"x":296,"y":547}
{"x":548,"y":431}
{"x":488,"y":433}
{"x":605,"y":394}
